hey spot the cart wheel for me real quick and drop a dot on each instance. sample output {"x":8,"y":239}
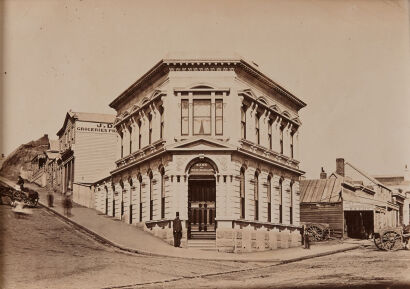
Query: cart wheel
{"x":391,"y":241}
{"x":18,"y":196}
{"x":315,"y":233}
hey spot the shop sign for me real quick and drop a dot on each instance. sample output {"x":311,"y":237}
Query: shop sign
{"x":203,"y":168}
{"x":95,"y":127}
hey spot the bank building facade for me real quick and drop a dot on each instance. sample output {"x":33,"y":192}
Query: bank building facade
{"x":215,"y":140}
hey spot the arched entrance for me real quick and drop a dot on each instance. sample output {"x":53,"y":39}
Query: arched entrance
{"x":201,"y":200}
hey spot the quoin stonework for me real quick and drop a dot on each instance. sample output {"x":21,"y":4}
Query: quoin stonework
{"x":215,"y":140}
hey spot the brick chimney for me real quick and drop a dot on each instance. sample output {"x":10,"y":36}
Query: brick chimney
{"x":340,"y":166}
{"x":323,"y":174}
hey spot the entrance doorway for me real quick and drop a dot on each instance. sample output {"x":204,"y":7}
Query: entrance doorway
{"x":359,"y":224}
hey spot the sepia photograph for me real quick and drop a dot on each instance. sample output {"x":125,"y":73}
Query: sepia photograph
{"x":204,"y":144}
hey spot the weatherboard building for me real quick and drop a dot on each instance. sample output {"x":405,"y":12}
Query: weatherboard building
{"x":215,"y":140}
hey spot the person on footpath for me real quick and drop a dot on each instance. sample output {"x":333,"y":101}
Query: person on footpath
{"x":306,"y":240}
{"x":177,"y":229}
{"x":50,"y":198}
{"x":67,"y":204}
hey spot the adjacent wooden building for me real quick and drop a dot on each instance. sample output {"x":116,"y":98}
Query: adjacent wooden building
{"x":350,"y":201}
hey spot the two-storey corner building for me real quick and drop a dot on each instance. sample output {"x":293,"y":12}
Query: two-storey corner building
{"x":216,"y":141}
{"x":87,"y":144}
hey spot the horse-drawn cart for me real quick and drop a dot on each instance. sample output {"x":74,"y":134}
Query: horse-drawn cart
{"x":392,"y":239}
{"x":317,"y":231}
{"x":25,"y":195}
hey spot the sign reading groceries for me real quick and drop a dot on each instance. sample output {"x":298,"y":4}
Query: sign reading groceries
{"x":95,"y":127}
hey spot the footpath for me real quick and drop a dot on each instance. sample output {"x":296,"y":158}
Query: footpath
{"x":133,"y":239}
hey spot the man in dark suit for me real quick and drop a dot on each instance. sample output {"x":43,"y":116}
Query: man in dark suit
{"x":177,"y":227}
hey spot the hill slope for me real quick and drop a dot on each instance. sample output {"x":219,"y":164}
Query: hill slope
{"x":19,"y":161}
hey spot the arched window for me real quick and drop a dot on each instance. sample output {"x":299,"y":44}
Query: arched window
{"x":270,"y":133}
{"x":269,"y":198}
{"x":162,"y":171}
{"x":139,"y":135}
{"x":130,"y":206}
{"x":242,"y":193}
{"x":291,"y":144}
{"x":140,"y":195}
{"x":256,"y":195}
{"x":291,"y":203}
{"x":280,"y":200}
{"x":151,"y":199}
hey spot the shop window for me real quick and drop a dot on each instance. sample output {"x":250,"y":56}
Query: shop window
{"x":184,"y":117}
{"x":218,"y":116}
{"x":202,"y":116}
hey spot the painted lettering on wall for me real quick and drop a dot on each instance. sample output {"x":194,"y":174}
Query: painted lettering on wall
{"x":95,"y":127}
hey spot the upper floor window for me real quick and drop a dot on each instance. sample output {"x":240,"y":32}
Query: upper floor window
{"x":218,"y":116}
{"x":130,"y":131}
{"x":202,"y":116}
{"x":161,"y":128}
{"x":184,"y":117}
{"x":270,"y":134}
{"x":122,"y":144}
{"x":149,"y":128}
{"x":291,"y":144}
{"x":139,"y":135}
{"x":257,"y":131}
{"x":282,"y":127}
{"x":243,"y":122}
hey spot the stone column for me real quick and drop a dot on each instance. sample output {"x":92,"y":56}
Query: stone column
{"x":117,"y":197}
{"x":144,"y":129}
{"x":286,"y":201}
{"x":213,"y":113}
{"x":249,"y":194}
{"x":126,"y":200}
{"x":156,"y":194}
{"x":134,"y":136}
{"x":145,"y":197}
{"x":156,"y":122}
{"x":191,"y":114}
{"x":263,"y":197}
{"x":296,"y":203}
{"x":126,"y":141}
{"x":296,"y":145}
{"x":275,"y":198}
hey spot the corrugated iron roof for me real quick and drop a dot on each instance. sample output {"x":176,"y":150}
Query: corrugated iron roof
{"x":320,"y":191}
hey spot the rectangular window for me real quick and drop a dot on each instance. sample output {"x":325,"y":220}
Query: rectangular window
{"x":202,"y":116}
{"x":258,"y":139}
{"x":184,"y":117}
{"x":242,"y":193}
{"x":218,"y":116}
{"x":281,"y":139}
{"x":256,"y":197}
{"x":243,"y":122}
{"x":269,"y":198}
{"x":139,"y":135}
{"x":150,"y":129}
{"x":291,"y":145}
{"x":161,"y":129}
{"x":130,"y":129}
{"x":162,"y":195}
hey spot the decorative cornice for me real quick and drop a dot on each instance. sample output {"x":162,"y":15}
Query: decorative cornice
{"x":166,"y":65}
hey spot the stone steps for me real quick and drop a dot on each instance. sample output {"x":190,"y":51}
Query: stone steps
{"x":203,"y":235}
{"x":207,"y":245}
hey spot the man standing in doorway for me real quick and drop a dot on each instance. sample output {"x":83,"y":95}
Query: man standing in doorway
{"x":177,"y":226}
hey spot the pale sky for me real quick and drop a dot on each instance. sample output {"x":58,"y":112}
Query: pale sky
{"x":348,"y":60}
